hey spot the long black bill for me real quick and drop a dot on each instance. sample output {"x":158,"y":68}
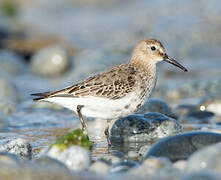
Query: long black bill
{"x":174,"y":62}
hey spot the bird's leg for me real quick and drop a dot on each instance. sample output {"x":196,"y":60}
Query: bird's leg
{"x":107,"y":134}
{"x":79,"y":107}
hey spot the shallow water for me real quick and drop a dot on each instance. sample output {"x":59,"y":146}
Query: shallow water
{"x":109,"y":33}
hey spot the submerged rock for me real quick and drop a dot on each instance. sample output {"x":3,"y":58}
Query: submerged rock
{"x":181,"y":146}
{"x":147,"y":127}
{"x":50,"y":61}
{"x":18,"y":146}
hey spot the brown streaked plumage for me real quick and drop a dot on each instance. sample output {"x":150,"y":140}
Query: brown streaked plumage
{"x":118,"y":92}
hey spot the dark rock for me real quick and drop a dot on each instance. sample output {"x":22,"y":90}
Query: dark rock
{"x":181,"y":146}
{"x":197,"y":117}
{"x":147,"y":127}
{"x":18,"y":146}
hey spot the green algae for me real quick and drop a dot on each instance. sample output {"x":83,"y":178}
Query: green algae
{"x":76,"y":137}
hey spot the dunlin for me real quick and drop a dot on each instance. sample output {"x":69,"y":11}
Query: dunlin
{"x":117,"y":92}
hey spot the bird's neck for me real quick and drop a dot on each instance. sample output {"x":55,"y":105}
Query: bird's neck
{"x":141,"y":62}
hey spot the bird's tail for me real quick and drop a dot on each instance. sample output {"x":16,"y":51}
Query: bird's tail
{"x":41,"y":96}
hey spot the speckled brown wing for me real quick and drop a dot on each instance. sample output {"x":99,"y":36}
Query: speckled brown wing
{"x":113,"y":84}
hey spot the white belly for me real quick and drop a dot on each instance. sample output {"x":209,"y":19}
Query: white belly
{"x":102,"y":107}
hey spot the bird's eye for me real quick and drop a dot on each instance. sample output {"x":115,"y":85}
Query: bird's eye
{"x":153,"y":48}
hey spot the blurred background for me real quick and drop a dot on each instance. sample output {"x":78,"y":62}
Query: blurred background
{"x":51,"y":44}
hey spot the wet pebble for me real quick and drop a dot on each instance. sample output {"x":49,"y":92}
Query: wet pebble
{"x":147,"y":127}
{"x":211,"y":103}
{"x":155,"y":105}
{"x":181,"y":146}
{"x":100,"y":166}
{"x":123,"y":166}
{"x":18,"y":146}
{"x":151,"y":166}
{"x":50,"y":61}
{"x":12,"y":63}
{"x":8,"y":89}
{"x":208,"y":158}
{"x":74,"y":157}
{"x":197,"y":117}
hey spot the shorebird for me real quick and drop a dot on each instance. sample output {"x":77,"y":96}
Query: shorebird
{"x":117,"y":92}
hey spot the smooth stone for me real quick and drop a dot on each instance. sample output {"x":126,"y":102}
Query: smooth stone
{"x":142,"y":128}
{"x":12,"y":63}
{"x":50,"y":61}
{"x":100,"y":166}
{"x":211,"y":103}
{"x":208,"y":158}
{"x":7,"y":88}
{"x":151,"y":166}
{"x":197,"y":117}
{"x":201,"y":175}
{"x":18,"y":146}
{"x":7,"y":107}
{"x":8,"y":158}
{"x":155,"y":105}
{"x":74,"y":157}
{"x":49,"y":161}
{"x":181,"y":164}
{"x":123,"y":166}
{"x":181,"y":146}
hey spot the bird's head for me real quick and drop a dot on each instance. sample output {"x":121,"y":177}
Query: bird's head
{"x":152,"y":50}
